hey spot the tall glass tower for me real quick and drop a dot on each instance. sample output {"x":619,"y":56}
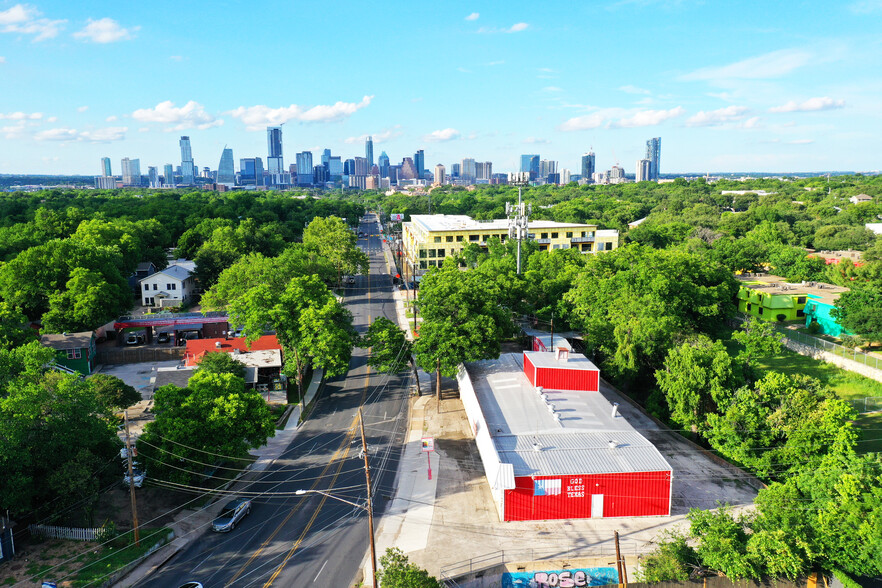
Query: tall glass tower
{"x":226,"y":173}
{"x":188,"y":168}
{"x":105,"y":167}
{"x":369,"y":151}
{"x":419,"y":160}
{"x":530,"y":164}
{"x":274,"y":162}
{"x":169,"y":179}
{"x":653,"y":154}
{"x":384,"y":165}
{"x":588,"y":166}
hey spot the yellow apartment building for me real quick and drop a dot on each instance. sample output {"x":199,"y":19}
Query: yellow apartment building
{"x":429,"y":238}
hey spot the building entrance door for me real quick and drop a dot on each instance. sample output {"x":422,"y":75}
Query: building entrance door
{"x":597,"y":506}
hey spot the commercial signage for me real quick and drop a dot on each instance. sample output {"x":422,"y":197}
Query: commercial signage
{"x":397,"y":217}
{"x":428,"y":443}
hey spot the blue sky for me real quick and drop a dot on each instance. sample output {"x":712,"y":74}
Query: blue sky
{"x":729,"y":86}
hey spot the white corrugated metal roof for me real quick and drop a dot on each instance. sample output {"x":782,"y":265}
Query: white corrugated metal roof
{"x":548,"y":359}
{"x":574,"y":439}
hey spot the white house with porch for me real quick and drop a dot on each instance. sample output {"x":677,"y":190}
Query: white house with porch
{"x":172,"y":286}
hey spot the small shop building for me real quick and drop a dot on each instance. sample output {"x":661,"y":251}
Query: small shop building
{"x":74,"y":351}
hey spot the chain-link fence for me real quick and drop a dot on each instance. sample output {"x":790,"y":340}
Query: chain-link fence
{"x":852,"y":354}
{"x":867,"y":404}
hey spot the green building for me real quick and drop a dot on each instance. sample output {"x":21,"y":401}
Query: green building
{"x":75,"y":351}
{"x":771,"y":298}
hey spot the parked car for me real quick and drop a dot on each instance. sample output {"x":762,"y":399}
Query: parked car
{"x":134,"y":339}
{"x":233,"y":512}
{"x":348,"y":279}
{"x":163,"y":337}
{"x":191,"y":585}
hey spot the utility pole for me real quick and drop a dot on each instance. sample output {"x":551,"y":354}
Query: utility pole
{"x":620,"y":567}
{"x":370,"y":506}
{"x":131,"y":482}
{"x":438,"y":381}
{"x":552,"y":330}
{"x":517,"y":224}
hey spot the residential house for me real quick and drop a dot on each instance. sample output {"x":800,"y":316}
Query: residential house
{"x":771,"y":298}
{"x":173,"y":286}
{"x":860,"y":198}
{"x":262,"y":358}
{"x":144,"y":269}
{"x":74,"y":351}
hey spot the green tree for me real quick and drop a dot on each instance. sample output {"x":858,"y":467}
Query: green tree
{"x":462,"y":320}
{"x":113,"y":393}
{"x":672,"y":561}
{"x":860,"y":311}
{"x":758,"y":339}
{"x":15,"y":329}
{"x":213,"y":415}
{"x":315,"y":330}
{"x":390,"y":349}
{"x":86,"y":302}
{"x":397,"y":571}
{"x":220,"y":362}
{"x":336,"y":242}
{"x":723,"y":543}
{"x":698,"y":377}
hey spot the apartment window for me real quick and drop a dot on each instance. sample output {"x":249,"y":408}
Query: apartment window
{"x":423,"y":265}
{"x":800,"y":313}
{"x":422,"y":253}
{"x":761,"y":310}
{"x":584,"y":234}
{"x":156,"y":286}
{"x":449,"y":238}
{"x":569,"y":234}
{"x":431,"y":253}
{"x":486,"y":238}
{"x":474,"y":237}
{"x":609,"y":246}
{"x":544,"y":236}
{"x":800,"y":300}
{"x":440,"y":253}
{"x":554,"y":235}
{"x":459,"y":238}
{"x":74,"y":354}
{"x":437,"y":239}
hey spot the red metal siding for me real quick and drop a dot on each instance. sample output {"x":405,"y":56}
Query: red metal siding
{"x":564,"y":379}
{"x":529,"y":370}
{"x":537,"y":344}
{"x":624,"y":495}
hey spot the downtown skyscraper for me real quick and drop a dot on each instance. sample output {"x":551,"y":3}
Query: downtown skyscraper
{"x":653,"y":154}
{"x":226,"y":172}
{"x":419,"y":160}
{"x":369,"y":151}
{"x":105,"y":167}
{"x":274,"y":162}
{"x":188,"y":168}
{"x":588,"y":167}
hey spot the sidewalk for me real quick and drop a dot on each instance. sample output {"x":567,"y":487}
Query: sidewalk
{"x":407,"y":522}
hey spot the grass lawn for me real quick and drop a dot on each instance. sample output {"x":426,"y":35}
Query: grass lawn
{"x":847,"y":385}
{"x":98,"y":564}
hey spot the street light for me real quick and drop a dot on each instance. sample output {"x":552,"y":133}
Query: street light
{"x":323,"y":493}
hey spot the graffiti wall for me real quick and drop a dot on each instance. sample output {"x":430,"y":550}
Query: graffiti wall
{"x":561,"y":578}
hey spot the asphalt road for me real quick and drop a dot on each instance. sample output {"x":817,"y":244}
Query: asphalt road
{"x":314,"y":539}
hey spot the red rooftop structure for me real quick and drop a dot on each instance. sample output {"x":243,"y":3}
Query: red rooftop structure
{"x":197,"y":348}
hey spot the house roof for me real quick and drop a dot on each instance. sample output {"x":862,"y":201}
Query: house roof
{"x":174,"y":271}
{"x":196,"y":348}
{"x":68,"y":340}
{"x":179,"y":376}
{"x":575,"y":439}
{"x":145,"y":266}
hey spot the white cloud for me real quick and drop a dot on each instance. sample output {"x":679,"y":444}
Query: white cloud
{"x":21,"y":116}
{"x":707,"y":118}
{"x":463,"y":70}
{"x":105,"y":135}
{"x":515,"y":28}
{"x":552,"y":89}
{"x":629,"y":89}
{"x":104,"y":30}
{"x":536,"y":141}
{"x":648,"y":118}
{"x":82,"y":109}
{"x":581,"y":123}
{"x":473,"y":16}
{"x":23,"y":19}
{"x":866,"y":6}
{"x":15,"y":131}
{"x":380,"y":137}
{"x":810,"y":105}
{"x":176,"y":57}
{"x":144,"y":130}
{"x":769,"y":65}
{"x":258,"y":117}
{"x":751,"y":123}
{"x":111,"y":118}
{"x":492,"y":63}
{"x":52,"y":119}
{"x":190,"y":115}
{"x":2,"y":59}
{"x":442,"y":135}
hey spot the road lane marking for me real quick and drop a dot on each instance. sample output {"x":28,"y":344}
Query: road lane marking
{"x":322,"y":569}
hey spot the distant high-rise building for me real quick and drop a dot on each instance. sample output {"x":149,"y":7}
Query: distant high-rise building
{"x":105,"y":167}
{"x":383,"y":164}
{"x":131,"y":171}
{"x":275,"y":161}
{"x":530,"y":164}
{"x":105,"y":182}
{"x":616,"y":175}
{"x":326,"y":158}
{"x":349,"y":167}
{"x":208,"y":174}
{"x":188,"y":167}
{"x":226,"y":169}
{"x":439,"y":175}
{"x":653,"y":154}
{"x":335,"y":166}
{"x":319,"y":174}
{"x":153,"y":176}
{"x":455,"y":170}
{"x":588,"y":166}
{"x":483,"y":171}
{"x":369,"y":151}
{"x":644,"y":170}
{"x":468,"y":172}
{"x":546,"y":168}
{"x":169,"y":177}
{"x":408,"y":170}
{"x":419,"y":160}
{"x":361,"y":166}
{"x":251,"y":171}
{"x":305,"y":168}
{"x":564,"y":177}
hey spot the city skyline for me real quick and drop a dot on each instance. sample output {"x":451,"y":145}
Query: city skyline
{"x":796,"y":92}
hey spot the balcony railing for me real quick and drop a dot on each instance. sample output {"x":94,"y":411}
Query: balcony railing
{"x":583,"y":240}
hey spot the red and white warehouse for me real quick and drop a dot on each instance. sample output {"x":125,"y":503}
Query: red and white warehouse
{"x":559,"y":453}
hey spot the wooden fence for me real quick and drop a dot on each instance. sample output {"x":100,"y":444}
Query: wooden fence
{"x":73,"y":533}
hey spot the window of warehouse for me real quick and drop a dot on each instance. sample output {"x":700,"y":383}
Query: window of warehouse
{"x":546,"y":487}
